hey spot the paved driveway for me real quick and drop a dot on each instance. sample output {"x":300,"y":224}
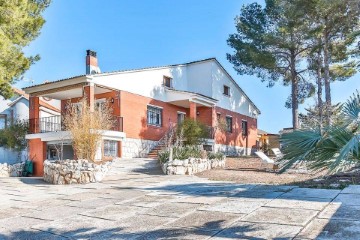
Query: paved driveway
{"x":136,"y":201}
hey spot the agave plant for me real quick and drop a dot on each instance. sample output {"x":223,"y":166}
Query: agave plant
{"x":334,"y":148}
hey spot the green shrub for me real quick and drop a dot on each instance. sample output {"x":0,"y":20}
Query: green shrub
{"x":193,"y":131}
{"x":186,"y":152}
{"x":13,"y":137}
{"x":218,"y":155}
{"x":180,"y":153}
{"x":163,"y":156}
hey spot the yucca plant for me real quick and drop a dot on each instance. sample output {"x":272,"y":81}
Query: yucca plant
{"x":333,"y":148}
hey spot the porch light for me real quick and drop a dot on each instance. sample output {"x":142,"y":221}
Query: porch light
{"x":112,"y":100}
{"x":198,"y":113}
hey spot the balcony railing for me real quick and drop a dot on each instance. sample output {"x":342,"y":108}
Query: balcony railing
{"x":118,"y":124}
{"x":56,"y":124}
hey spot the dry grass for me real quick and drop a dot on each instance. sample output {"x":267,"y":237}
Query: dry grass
{"x":250,"y":171}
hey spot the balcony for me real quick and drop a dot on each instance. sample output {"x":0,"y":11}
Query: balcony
{"x":55,"y":124}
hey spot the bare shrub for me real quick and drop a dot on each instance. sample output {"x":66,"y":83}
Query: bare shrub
{"x":86,"y":126}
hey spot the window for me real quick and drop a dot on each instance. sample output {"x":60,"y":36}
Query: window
{"x":110,"y":148}
{"x":154,"y":116}
{"x":167,"y":82}
{"x":226,"y":90}
{"x":100,"y":104}
{"x":244,"y":128}
{"x":3,"y":122}
{"x":180,"y":117}
{"x":229,"y":126}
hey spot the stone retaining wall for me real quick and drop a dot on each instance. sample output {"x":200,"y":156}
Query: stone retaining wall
{"x":191,"y":166}
{"x":14,"y":170}
{"x":74,"y":171}
{"x":133,"y":148}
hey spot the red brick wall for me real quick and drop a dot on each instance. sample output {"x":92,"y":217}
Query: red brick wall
{"x":133,"y":108}
{"x":37,"y":154}
{"x":235,"y":138}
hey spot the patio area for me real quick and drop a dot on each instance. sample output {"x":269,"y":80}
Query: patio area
{"x":136,"y":201}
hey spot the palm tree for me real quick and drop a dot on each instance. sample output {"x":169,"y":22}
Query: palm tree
{"x":334,"y":148}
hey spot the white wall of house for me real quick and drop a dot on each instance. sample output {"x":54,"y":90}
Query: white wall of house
{"x":206,"y":78}
{"x":199,"y":78}
{"x":148,"y":83}
{"x":21,"y":109}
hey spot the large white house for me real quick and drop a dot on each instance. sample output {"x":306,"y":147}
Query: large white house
{"x":147,"y":102}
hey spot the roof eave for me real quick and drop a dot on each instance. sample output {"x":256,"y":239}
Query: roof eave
{"x":58,"y":84}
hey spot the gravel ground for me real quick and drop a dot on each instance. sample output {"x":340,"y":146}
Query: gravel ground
{"x":250,"y":170}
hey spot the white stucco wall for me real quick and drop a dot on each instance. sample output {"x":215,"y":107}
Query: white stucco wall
{"x":148,"y":83}
{"x":199,"y":78}
{"x":21,"y":109}
{"x":206,"y":78}
{"x":237,"y":101}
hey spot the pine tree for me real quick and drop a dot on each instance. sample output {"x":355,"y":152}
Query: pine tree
{"x":20,"y":23}
{"x":270,"y":43}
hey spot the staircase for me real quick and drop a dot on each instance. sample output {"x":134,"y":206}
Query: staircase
{"x":153,"y":154}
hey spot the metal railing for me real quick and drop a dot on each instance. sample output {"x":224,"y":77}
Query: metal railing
{"x":46,"y":124}
{"x":118,"y":124}
{"x":56,"y":124}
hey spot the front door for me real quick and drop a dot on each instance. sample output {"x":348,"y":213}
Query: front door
{"x":180,"y":117}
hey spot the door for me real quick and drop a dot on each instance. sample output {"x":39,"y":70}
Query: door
{"x":180,"y":117}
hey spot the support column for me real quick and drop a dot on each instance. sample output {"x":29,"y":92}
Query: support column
{"x":34,"y":114}
{"x":193,"y":110}
{"x":89,"y":93}
{"x":119,"y":149}
{"x":37,"y":154}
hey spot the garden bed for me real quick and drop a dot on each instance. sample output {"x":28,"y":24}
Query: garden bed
{"x":74,"y":171}
{"x":191,"y":166}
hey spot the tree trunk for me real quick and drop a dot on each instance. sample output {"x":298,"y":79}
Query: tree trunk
{"x":294,"y":93}
{"x":319,"y":87}
{"x":327,"y":75}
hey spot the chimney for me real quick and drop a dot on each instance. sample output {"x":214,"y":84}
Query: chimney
{"x":91,"y":63}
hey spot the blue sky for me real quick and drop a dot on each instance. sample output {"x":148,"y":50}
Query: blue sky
{"x":131,"y":34}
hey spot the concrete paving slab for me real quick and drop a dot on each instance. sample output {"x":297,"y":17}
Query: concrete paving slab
{"x":53,"y":213}
{"x":348,"y":199}
{"x":239,"y":205}
{"x":201,"y":200}
{"x":172,"y":210}
{"x":311,"y":193}
{"x":114,"y":212}
{"x":146,"y":201}
{"x":20,"y":223}
{"x":287,"y":216}
{"x":331,"y":229}
{"x":92,"y":203}
{"x":82,"y":196}
{"x":10,"y":212}
{"x":180,"y":233}
{"x":353,"y":189}
{"x":141,"y":224}
{"x":28,"y":234}
{"x":245,"y":230}
{"x":205,"y":220}
{"x":78,"y":227}
{"x":338,"y":210}
{"x":312,"y":204}
{"x":258,"y":194}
